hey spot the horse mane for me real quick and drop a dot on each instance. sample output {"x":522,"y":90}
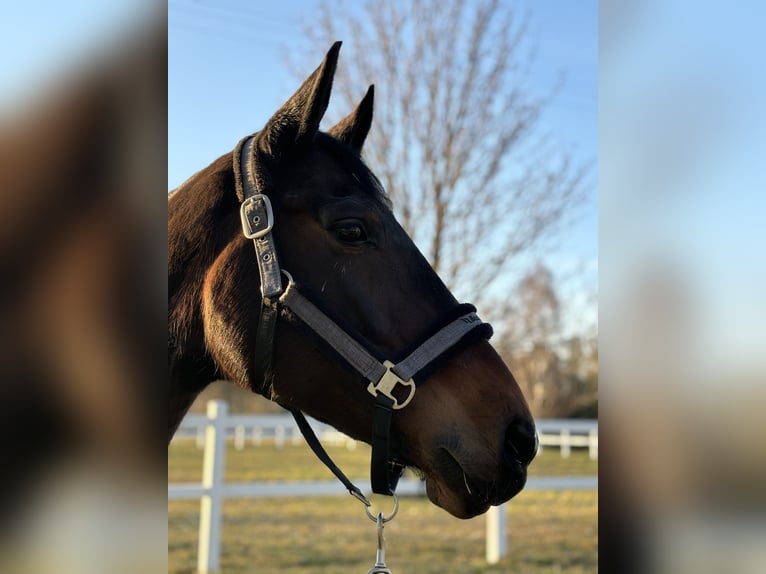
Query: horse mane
{"x":198,"y":210}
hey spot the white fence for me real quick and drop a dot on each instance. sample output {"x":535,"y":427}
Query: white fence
{"x":568,"y":433}
{"x":212,"y":430}
{"x":562,"y":433}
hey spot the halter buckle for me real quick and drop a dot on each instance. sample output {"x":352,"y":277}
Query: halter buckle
{"x":252,"y":224}
{"x":388,"y":382}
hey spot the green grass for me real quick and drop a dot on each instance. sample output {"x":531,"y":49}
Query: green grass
{"x":547,"y":531}
{"x":297,"y":462}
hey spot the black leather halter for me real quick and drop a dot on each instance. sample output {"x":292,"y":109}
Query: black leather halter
{"x":384,"y":378}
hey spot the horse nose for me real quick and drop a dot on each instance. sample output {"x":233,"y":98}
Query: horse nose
{"x":521,"y":440}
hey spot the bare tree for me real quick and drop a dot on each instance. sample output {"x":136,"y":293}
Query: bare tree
{"x":559,"y":376}
{"x":581,"y":370}
{"x":455,"y":139}
{"x":537,"y":306}
{"x":528,"y":341}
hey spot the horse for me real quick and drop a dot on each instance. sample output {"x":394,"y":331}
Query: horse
{"x":463,"y":424}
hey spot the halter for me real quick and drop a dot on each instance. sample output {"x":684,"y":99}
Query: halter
{"x":392,"y":385}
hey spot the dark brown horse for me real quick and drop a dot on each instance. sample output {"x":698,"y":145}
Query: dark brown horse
{"x":468,"y":429}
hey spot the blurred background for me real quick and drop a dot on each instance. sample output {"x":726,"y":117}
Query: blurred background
{"x":681,"y":251}
{"x":83,"y":112}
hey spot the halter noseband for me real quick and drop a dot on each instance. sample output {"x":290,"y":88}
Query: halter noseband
{"x":383,"y":377}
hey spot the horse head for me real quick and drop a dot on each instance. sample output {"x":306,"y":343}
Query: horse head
{"x":467,"y":429}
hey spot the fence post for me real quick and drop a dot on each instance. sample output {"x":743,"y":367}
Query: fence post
{"x":497,"y":545}
{"x":566,"y":444}
{"x":212,"y":481}
{"x":593,"y":444}
{"x":239,"y":437}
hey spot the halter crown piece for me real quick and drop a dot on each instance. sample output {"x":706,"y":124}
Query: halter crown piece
{"x":383,"y":378}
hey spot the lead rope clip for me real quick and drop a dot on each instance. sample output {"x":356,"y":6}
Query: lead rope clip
{"x":380,"y":555}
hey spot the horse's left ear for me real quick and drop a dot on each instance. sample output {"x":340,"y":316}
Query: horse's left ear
{"x":353,"y":129}
{"x":297,"y":121}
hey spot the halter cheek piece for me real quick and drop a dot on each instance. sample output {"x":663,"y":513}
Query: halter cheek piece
{"x":392,"y":385}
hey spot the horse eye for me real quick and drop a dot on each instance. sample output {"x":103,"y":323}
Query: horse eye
{"x":350,"y":232}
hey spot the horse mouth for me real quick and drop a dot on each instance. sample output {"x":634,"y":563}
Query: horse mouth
{"x":460,"y":488}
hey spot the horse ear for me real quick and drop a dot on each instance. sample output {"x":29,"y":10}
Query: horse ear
{"x":297,"y":121}
{"x":353,"y":129}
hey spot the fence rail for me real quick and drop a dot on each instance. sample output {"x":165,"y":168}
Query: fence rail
{"x":281,"y":428}
{"x":215,"y":427}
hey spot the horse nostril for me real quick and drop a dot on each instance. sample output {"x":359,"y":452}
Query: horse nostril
{"x":521,"y":440}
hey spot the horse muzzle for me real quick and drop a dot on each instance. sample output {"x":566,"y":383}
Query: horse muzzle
{"x":466,"y":480}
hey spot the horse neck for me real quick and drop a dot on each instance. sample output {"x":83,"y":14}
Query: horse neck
{"x":197,"y":226}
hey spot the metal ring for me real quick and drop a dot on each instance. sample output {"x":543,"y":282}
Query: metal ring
{"x":289,"y":277}
{"x":384,"y":518}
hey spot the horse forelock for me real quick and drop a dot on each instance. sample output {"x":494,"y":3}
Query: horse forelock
{"x":352,"y":162}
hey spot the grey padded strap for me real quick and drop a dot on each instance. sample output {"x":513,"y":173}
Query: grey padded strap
{"x":356,"y":355}
{"x":436,"y":345}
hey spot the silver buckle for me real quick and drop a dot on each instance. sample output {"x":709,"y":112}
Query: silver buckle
{"x":388,"y":382}
{"x":246,"y":227}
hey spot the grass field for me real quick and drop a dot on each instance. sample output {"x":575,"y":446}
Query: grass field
{"x":548,"y":532}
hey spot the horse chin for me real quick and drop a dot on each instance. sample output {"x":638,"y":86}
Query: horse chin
{"x":459,"y":504}
{"x":465,"y":495}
